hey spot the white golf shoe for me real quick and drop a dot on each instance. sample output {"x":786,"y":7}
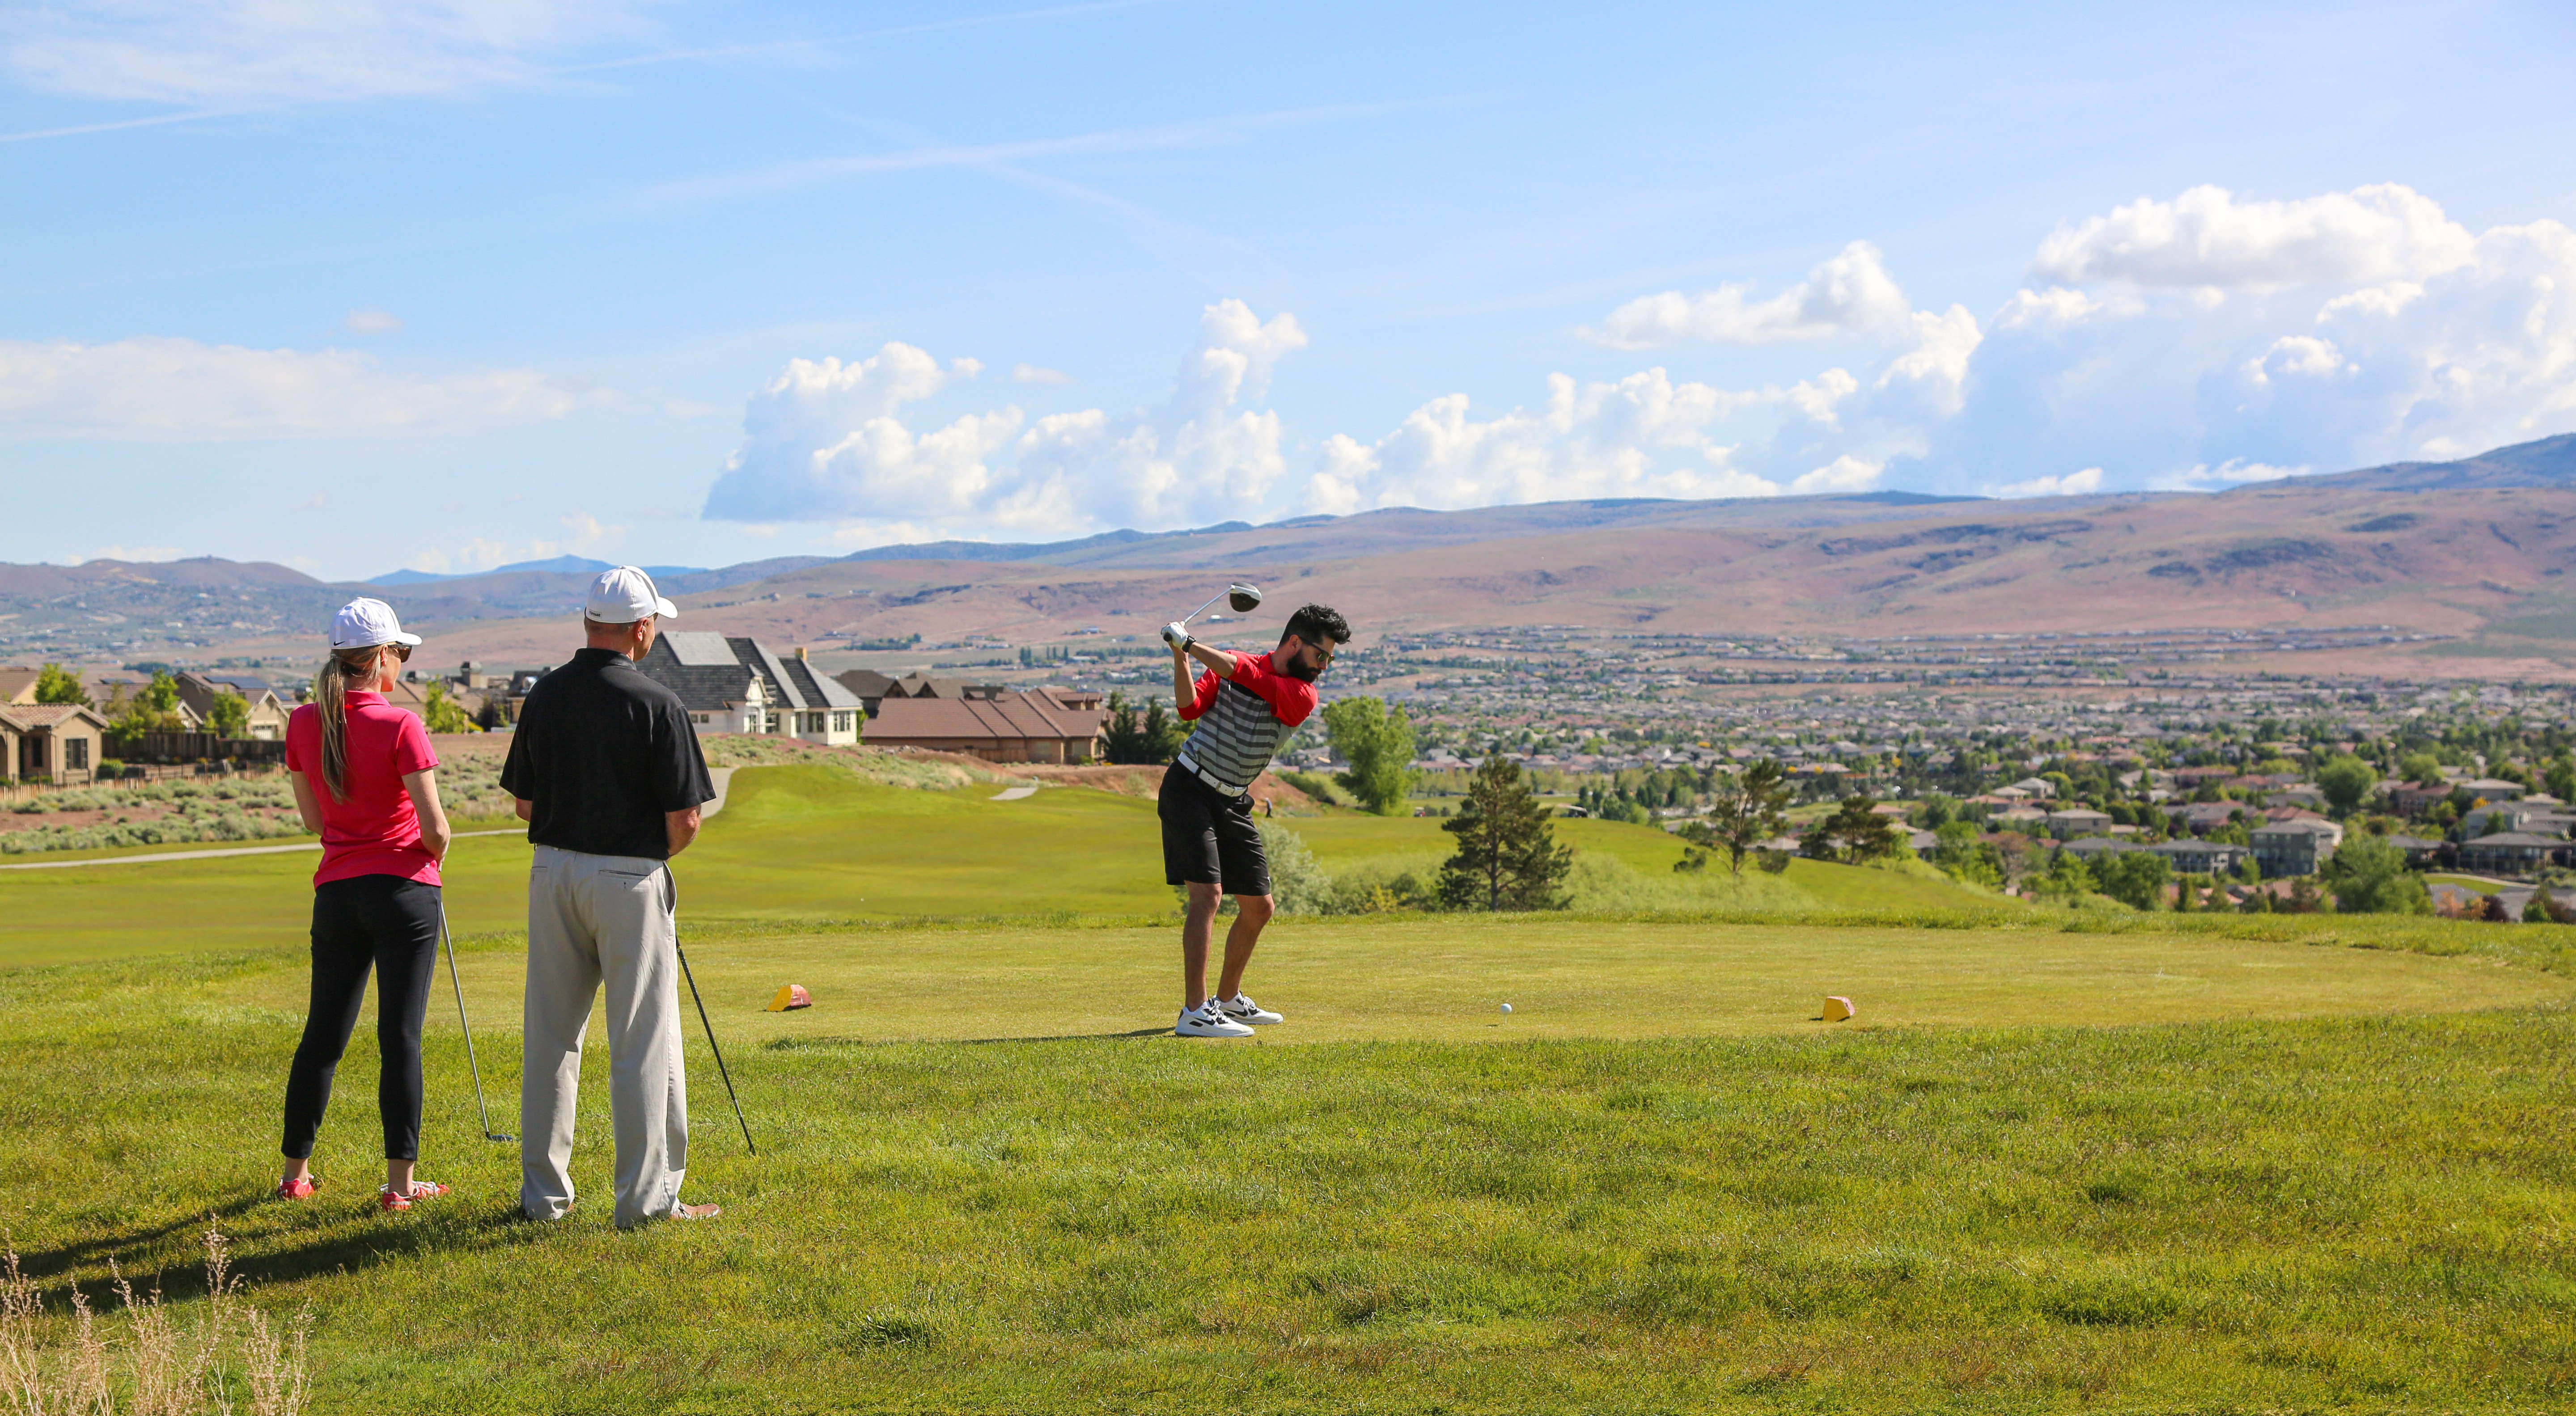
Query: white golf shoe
{"x":1208,"y":1020}
{"x":1242,"y":1009}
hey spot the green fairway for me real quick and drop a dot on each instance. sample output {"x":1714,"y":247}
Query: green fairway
{"x":2059,"y":1161}
{"x":2226,"y":1215}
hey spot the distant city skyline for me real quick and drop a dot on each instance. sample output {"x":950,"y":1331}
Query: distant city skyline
{"x":439,"y":287}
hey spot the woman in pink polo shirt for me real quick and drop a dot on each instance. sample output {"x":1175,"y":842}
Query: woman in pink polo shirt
{"x":366,"y":783}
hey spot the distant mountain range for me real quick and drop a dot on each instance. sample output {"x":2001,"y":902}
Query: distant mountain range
{"x":2494,"y":547}
{"x":572,"y":565}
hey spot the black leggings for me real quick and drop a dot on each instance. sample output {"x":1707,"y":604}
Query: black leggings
{"x":391,"y":924}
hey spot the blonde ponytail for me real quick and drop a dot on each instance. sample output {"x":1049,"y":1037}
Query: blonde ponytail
{"x":341,"y":672}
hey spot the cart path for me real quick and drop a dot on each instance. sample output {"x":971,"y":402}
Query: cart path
{"x":721,"y":776}
{"x":211,"y":855}
{"x":1014,"y":794}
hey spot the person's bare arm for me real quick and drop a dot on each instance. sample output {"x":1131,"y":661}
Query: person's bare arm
{"x":525,"y":808}
{"x":308,"y":807}
{"x":682,"y":826}
{"x":1184,"y":693}
{"x":423,"y":786}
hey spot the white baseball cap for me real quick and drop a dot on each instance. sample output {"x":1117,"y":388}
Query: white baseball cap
{"x":363,"y":624}
{"x":624,"y":595}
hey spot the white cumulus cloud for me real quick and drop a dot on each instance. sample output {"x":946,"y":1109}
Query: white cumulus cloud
{"x":1641,"y":436}
{"x":162,"y":389}
{"x":827,"y":441}
{"x":1844,"y":474}
{"x":2207,"y":238}
{"x":1850,"y":293}
{"x":2072,"y":484}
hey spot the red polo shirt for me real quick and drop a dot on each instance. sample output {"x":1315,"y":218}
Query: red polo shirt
{"x":374,"y":831}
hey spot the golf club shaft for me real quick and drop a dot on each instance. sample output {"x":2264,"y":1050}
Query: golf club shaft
{"x":480,"y":1108}
{"x":1203,"y":609}
{"x":711,"y":1046}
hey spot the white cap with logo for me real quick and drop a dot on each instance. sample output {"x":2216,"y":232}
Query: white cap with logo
{"x":624,"y":595}
{"x":363,"y":624}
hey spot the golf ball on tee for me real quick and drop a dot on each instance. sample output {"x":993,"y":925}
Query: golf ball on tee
{"x":1507,"y":1007}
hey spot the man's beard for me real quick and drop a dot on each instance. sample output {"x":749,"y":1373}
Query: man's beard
{"x":1296,"y":669}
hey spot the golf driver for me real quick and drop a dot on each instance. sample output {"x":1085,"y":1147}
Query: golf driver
{"x":1245,"y":598}
{"x":458,"y":980}
{"x":711,"y":1046}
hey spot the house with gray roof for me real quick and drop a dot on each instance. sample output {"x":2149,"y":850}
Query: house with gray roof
{"x":2299,"y":846}
{"x":2510,"y":853}
{"x":2196,"y":857}
{"x":736,"y":684}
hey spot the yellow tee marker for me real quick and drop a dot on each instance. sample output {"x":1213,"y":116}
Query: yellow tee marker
{"x":1838,"y":1009}
{"x":791,"y":998}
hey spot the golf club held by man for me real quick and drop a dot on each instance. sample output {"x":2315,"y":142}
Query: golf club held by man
{"x":1243,"y":708}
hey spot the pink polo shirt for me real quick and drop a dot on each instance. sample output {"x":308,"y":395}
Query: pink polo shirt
{"x":374,"y":831}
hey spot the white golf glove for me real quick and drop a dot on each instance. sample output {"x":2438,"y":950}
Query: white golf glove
{"x":1177,"y":636}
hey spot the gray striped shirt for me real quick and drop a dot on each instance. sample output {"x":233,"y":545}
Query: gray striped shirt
{"x":1239,"y":732}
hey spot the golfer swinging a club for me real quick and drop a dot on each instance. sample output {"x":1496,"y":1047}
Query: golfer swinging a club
{"x":1245,"y":707}
{"x":606,"y":769}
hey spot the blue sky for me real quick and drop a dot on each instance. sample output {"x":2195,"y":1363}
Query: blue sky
{"x":355,"y":286}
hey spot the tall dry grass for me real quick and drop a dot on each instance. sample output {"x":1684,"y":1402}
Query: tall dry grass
{"x":144,"y":1359}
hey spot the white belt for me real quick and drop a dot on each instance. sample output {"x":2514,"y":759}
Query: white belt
{"x":1208,"y":777}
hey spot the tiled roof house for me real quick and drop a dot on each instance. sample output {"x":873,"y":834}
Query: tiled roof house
{"x":50,"y":742}
{"x":1036,"y":725}
{"x":736,"y":684}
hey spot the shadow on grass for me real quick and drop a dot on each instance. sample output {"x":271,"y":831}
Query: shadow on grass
{"x":170,"y":1258}
{"x":803,"y":1044}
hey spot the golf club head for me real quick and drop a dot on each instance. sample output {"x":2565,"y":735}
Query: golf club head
{"x":1244,"y":598}
{"x":497,"y":1138}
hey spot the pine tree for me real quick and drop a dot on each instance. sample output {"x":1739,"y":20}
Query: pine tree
{"x":1861,"y":833}
{"x":1748,"y":811}
{"x":1507,"y":857}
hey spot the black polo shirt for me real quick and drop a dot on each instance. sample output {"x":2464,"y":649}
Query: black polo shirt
{"x":603,"y":752}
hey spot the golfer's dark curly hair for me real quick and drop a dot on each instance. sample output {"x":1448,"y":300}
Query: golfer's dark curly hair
{"x":1317,"y":623}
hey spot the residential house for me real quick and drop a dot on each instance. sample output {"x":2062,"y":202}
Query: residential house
{"x":2034,"y":786}
{"x":2420,"y":853}
{"x":111,"y":692}
{"x":267,"y":714}
{"x":2203,"y":817}
{"x":2077,"y":821}
{"x":1922,"y":843}
{"x":2511,"y":853}
{"x":2194,"y":857}
{"x":18,"y":683}
{"x":2298,"y":846}
{"x":2539,"y":819}
{"x":51,"y":742}
{"x":2304,"y":794}
{"x":2411,"y":799}
{"x":1036,"y":725}
{"x":868,"y":685}
{"x":2490,"y":789}
{"x":736,"y":684}
{"x":2092,"y":849}
{"x":2029,"y":820}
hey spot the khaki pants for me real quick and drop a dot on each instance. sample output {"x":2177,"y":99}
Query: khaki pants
{"x":595,"y":919}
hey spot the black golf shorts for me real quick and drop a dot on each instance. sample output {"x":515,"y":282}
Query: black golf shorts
{"x":1210,"y":838}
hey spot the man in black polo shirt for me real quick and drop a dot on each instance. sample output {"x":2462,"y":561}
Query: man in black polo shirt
{"x":606,"y":769}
